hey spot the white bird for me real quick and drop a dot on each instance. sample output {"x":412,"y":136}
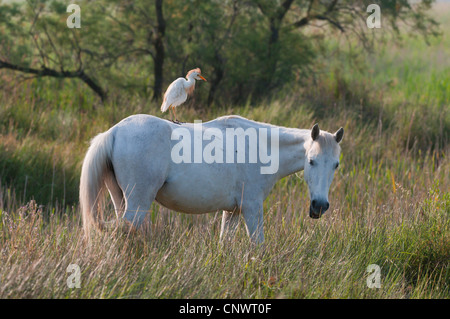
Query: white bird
{"x":178,"y":91}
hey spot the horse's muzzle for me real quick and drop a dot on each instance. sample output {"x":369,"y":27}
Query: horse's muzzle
{"x":313,"y":214}
{"x":317,"y":208}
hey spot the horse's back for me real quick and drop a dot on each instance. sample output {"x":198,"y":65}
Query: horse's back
{"x":150,"y":122}
{"x":142,"y":121}
{"x":235,"y":121}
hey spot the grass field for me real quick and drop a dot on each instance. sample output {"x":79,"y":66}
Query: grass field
{"x":389,"y":201}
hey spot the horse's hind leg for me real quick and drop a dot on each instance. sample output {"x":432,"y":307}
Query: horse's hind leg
{"x":138,"y":199}
{"x":141,"y":159}
{"x":140,"y":188}
{"x":116,"y":194}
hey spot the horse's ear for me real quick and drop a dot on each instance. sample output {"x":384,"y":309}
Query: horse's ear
{"x":339,"y":135}
{"x":315,"y":132}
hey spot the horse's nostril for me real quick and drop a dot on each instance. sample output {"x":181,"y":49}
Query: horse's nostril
{"x":319,"y":205}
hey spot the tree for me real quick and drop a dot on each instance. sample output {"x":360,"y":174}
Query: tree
{"x":342,"y":15}
{"x":158,"y":43}
{"x":248,"y":49}
{"x":35,"y":49}
{"x":201,"y":36}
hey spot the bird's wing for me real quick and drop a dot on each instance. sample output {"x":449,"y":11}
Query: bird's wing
{"x":175,"y":94}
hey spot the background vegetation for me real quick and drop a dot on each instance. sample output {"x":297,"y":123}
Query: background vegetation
{"x":288,"y":63}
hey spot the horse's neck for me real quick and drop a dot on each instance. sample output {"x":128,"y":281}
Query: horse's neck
{"x":292,"y":150}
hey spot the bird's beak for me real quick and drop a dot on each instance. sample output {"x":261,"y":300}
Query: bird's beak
{"x":201,"y":77}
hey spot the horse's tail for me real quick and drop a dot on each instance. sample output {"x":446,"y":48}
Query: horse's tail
{"x":96,"y":168}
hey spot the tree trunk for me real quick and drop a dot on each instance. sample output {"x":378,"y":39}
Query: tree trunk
{"x":275,"y":17}
{"x":158,"y":44}
{"x":272,"y":52}
{"x":216,"y":78}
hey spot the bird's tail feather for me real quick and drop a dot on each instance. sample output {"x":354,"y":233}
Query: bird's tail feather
{"x":164,"y":106}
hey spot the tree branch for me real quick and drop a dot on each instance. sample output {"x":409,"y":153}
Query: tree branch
{"x":324,"y":16}
{"x":335,"y":23}
{"x":44,"y":71}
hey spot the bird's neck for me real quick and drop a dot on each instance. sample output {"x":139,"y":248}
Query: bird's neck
{"x":189,"y":85}
{"x":190,"y":81}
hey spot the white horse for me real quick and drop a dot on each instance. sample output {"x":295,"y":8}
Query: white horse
{"x":135,"y":161}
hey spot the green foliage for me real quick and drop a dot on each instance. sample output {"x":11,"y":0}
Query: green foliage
{"x":247,"y":49}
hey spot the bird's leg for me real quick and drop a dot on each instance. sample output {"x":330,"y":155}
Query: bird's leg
{"x":172,"y":112}
{"x":176,"y":121}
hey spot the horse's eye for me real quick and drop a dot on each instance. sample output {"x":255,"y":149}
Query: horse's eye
{"x":311,"y":162}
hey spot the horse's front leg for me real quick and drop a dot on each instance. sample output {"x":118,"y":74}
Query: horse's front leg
{"x":230,"y":221}
{"x":253,"y":216}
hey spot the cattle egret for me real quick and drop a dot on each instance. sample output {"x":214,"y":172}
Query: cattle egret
{"x":178,"y":91}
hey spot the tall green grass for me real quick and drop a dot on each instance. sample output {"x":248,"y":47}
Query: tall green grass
{"x":406,"y":235}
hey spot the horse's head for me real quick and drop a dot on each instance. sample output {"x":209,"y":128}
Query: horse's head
{"x":321,"y":160}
